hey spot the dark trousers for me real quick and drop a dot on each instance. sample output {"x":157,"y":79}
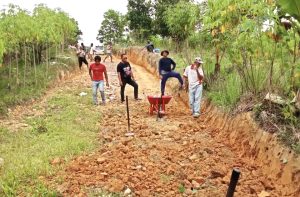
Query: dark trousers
{"x":165,"y":77}
{"x":82,"y":60}
{"x":133,"y":84}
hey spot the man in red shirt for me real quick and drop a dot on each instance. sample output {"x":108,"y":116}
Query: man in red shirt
{"x":96,"y":73}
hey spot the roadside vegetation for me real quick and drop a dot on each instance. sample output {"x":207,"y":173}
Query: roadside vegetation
{"x":32,"y":51}
{"x":250,"y":49}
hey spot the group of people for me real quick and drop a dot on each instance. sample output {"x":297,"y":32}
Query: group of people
{"x":81,"y":53}
{"x":193,"y":76}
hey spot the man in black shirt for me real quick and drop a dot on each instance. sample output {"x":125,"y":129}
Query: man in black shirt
{"x":125,"y":76}
{"x":166,"y":71}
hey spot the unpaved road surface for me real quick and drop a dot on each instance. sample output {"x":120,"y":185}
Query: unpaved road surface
{"x":177,"y":156}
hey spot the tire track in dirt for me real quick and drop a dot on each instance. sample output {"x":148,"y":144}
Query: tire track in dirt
{"x":176,"y":157}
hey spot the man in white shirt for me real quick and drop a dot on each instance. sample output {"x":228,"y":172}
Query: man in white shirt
{"x":194,"y":74}
{"x":91,"y":53}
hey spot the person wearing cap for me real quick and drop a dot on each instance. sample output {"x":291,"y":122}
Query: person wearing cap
{"x":194,"y":74}
{"x":166,"y":70}
{"x":96,"y":72}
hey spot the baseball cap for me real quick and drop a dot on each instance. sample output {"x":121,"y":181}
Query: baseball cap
{"x":199,"y":60}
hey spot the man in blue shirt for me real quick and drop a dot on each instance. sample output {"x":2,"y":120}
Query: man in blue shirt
{"x":166,"y":71}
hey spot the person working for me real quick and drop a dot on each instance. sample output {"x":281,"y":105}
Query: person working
{"x":166,"y":71}
{"x":149,"y":46}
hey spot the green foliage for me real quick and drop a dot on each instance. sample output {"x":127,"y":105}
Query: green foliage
{"x":291,"y":6}
{"x":139,"y":17}
{"x":112,"y":27}
{"x":16,"y":94}
{"x":288,"y":113}
{"x":43,"y":28}
{"x":160,"y":25}
{"x":181,"y":19}
{"x":226,"y":91}
{"x":181,"y":188}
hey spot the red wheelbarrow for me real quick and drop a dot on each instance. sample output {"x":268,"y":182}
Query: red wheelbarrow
{"x":156,"y":102}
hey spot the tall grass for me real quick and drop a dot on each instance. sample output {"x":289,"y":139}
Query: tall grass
{"x":226,"y":92}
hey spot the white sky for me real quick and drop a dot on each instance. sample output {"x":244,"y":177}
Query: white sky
{"x":88,"y":13}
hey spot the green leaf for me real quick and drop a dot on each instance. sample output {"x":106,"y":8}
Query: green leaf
{"x":291,"y":7}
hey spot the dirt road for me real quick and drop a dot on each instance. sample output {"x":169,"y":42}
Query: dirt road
{"x":178,"y":156}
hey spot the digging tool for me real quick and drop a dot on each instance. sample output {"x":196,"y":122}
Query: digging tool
{"x":233,"y":182}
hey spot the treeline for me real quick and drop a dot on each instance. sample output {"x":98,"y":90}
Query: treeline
{"x":259,"y":39}
{"x":28,"y":39}
{"x":250,"y":48}
{"x":148,"y":18}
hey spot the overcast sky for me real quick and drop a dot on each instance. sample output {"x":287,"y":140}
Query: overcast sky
{"x":88,"y":13}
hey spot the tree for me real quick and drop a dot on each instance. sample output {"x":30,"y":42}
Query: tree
{"x":160,"y":25}
{"x":182,"y":20}
{"x":112,"y":27}
{"x":139,"y":17}
{"x":24,"y":35}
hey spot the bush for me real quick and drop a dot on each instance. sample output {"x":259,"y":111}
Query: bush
{"x":226,"y":91}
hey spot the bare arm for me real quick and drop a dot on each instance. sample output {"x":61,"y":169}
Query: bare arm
{"x":120,"y":79}
{"x":106,"y":78}
{"x":185,"y":79}
{"x":131,"y":73}
{"x":90,"y":72}
{"x":200,"y":77}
